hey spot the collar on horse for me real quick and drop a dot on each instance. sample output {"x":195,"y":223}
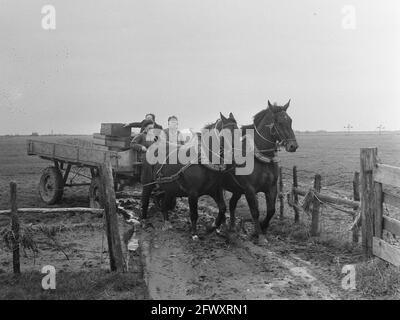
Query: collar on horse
{"x":259,"y":155}
{"x":263,"y":158}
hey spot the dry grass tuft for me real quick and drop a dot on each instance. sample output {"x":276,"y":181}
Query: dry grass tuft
{"x":378,"y":278}
{"x":73,"y":286}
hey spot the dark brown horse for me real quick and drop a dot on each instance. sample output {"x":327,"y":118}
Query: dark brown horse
{"x":272,"y":128}
{"x":182,"y":180}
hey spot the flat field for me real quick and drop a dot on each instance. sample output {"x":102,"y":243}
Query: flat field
{"x":334,"y":156}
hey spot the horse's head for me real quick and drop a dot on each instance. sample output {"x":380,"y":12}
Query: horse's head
{"x":226,"y":123}
{"x":275,"y":124}
{"x":218,"y":136}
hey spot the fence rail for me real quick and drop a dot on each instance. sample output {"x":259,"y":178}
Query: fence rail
{"x":367,"y":205}
{"x":373,"y":176}
{"x":314,"y":197}
{"x":113,"y":236}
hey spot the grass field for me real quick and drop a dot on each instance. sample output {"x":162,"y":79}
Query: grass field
{"x":334,"y":156}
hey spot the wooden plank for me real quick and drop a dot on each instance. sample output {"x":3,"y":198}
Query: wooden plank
{"x":120,"y":160}
{"x":281,"y":199}
{"x":102,"y":137}
{"x":53,"y":210}
{"x":113,"y":237}
{"x":386,"y":251}
{"x":378,"y":216}
{"x":391,"y":225}
{"x":356,"y":197}
{"x":66,"y":152}
{"x":326,"y":198}
{"x":94,"y":156}
{"x":126,"y":160}
{"x":43,"y":148}
{"x":391,"y":199}
{"x":112,"y":143}
{"x":15,"y":228}
{"x":368,"y":161}
{"x":296,"y":197}
{"x":387,"y":174}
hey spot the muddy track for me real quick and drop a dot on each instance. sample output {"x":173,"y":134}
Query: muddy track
{"x":222,"y":267}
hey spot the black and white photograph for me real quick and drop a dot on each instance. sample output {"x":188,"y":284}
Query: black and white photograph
{"x":193,"y":156}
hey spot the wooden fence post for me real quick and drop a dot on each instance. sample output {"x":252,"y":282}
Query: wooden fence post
{"x":378,"y":206}
{"x":281,"y":200}
{"x":356,"y":197}
{"x":315,"y":221}
{"x":296,"y":197}
{"x":367,"y":165}
{"x":113,"y":237}
{"x":15,"y":227}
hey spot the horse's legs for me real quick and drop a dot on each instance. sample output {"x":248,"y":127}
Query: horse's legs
{"x":193,"y":199}
{"x":252,"y":201}
{"x":164,"y":208}
{"x":232,"y":207}
{"x":146,"y":192}
{"x":219,"y":199}
{"x":270,"y":197}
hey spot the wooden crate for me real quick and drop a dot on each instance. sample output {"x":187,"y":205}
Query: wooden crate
{"x":115,"y":142}
{"x":115,"y":130}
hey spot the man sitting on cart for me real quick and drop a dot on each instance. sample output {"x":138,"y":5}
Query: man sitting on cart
{"x":172,"y":134}
{"x":146,"y":138}
{"x":149,"y":116}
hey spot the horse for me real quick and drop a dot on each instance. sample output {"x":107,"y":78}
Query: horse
{"x":272,"y":128}
{"x":191,"y":180}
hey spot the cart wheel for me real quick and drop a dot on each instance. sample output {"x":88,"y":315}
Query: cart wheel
{"x":95,"y":196}
{"x":51,"y":185}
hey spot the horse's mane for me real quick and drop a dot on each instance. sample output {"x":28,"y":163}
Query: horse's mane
{"x":259,"y":116}
{"x":212,"y":125}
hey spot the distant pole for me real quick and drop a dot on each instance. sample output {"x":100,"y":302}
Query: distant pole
{"x":380,"y":128}
{"x":15,"y":227}
{"x":348,"y":127}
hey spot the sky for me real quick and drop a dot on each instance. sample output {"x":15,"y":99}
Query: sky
{"x":114,"y":61}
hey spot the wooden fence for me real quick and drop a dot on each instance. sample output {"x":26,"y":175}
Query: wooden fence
{"x":373,"y":176}
{"x":110,"y":211}
{"x":367,"y":204}
{"x":315,"y":199}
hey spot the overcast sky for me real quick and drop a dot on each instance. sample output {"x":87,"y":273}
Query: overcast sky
{"x":113,"y":61}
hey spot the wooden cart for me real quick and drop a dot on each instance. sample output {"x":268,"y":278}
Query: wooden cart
{"x":126,"y":166}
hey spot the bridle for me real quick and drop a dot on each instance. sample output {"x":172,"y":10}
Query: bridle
{"x":281,"y":141}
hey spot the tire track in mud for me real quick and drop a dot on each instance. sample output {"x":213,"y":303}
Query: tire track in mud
{"x":216,"y":267}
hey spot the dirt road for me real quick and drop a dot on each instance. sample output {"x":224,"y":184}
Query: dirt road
{"x":227,"y":267}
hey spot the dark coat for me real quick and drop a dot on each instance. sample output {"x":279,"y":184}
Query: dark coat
{"x":139,"y":141}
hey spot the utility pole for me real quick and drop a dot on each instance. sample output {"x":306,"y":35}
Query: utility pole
{"x":348,"y":127}
{"x":380,"y":127}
